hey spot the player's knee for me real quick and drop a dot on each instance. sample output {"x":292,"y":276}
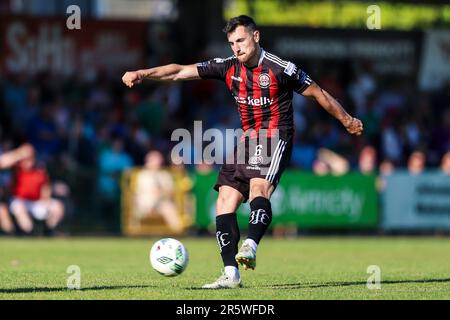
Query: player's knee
{"x":259,"y":190}
{"x":223,"y":204}
{"x":227,"y":202}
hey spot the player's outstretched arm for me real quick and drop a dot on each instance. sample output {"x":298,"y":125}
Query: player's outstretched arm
{"x":353,"y":125}
{"x":170,"y":72}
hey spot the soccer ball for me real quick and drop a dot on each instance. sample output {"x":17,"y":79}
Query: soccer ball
{"x":169,"y":257}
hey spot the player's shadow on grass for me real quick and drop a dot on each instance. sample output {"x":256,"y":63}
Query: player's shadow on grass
{"x":62,"y":289}
{"x":346,"y":284}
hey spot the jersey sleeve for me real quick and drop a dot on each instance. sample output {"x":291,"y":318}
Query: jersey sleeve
{"x":297,"y":79}
{"x":215,"y":68}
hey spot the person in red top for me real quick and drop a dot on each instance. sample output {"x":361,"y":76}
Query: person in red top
{"x":31,"y":195}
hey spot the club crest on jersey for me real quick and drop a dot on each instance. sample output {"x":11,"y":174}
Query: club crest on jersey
{"x":264,"y":80}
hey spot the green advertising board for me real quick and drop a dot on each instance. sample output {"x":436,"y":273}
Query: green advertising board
{"x":303,"y":199}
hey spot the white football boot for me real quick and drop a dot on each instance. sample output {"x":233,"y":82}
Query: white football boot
{"x":224,"y":282}
{"x":246,"y":257}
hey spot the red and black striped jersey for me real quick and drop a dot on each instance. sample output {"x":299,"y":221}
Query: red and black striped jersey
{"x":263,"y":94}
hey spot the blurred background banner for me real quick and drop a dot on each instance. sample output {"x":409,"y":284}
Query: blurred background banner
{"x":305,"y":200}
{"x":416,"y":202}
{"x":393,"y":53}
{"x":33,"y":44}
{"x":435,"y":66}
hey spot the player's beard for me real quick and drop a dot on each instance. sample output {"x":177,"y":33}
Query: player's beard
{"x":251,"y":58}
{"x":242,"y":58}
{"x":247,"y":57}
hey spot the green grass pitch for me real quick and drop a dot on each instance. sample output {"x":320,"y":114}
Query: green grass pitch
{"x":293,"y":268}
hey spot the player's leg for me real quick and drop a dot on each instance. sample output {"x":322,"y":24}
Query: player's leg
{"x":260,"y":218}
{"x":19,"y":210}
{"x":270,"y":158}
{"x":228,"y":235}
{"x":227,"y":229}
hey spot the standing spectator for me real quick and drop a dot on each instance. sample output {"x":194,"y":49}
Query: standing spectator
{"x":113,"y":160}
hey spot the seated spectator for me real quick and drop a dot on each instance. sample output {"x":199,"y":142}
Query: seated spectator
{"x":320,"y":168}
{"x":416,"y":162}
{"x":31,"y":196}
{"x":155,"y":192}
{"x":336,"y":163}
{"x":445,"y":163}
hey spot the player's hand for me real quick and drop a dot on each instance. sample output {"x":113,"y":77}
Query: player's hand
{"x":353,"y":126}
{"x":131,"y":78}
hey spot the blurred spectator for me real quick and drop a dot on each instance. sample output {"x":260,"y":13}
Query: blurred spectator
{"x":368,"y":160}
{"x":112,"y":161}
{"x":440,"y":133}
{"x":387,"y":167}
{"x":79,"y":117}
{"x":361,"y":88}
{"x":445,"y":163}
{"x":155,"y":193}
{"x":337,"y":164}
{"x":44,"y":134}
{"x":416,"y":162}
{"x":392,"y":145}
{"x":320,"y":168}
{"x":31,"y":191}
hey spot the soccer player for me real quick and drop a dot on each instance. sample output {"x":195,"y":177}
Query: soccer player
{"x":262,"y":85}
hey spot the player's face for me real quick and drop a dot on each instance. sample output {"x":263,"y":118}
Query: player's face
{"x":244,"y":43}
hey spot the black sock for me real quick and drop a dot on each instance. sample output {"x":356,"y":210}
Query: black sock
{"x":260,"y":218}
{"x":227,"y":234}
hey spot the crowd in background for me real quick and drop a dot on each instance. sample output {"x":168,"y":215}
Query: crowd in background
{"x":85,"y":122}
{"x":89,"y":130}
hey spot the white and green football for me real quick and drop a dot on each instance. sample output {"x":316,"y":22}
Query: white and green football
{"x":169,"y":257}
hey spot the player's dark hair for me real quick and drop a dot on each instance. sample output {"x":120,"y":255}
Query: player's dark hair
{"x":241,"y":20}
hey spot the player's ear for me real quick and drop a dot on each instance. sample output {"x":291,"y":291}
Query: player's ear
{"x":256,"y":36}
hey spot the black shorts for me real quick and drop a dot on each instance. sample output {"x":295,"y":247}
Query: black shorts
{"x":254,"y":160}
